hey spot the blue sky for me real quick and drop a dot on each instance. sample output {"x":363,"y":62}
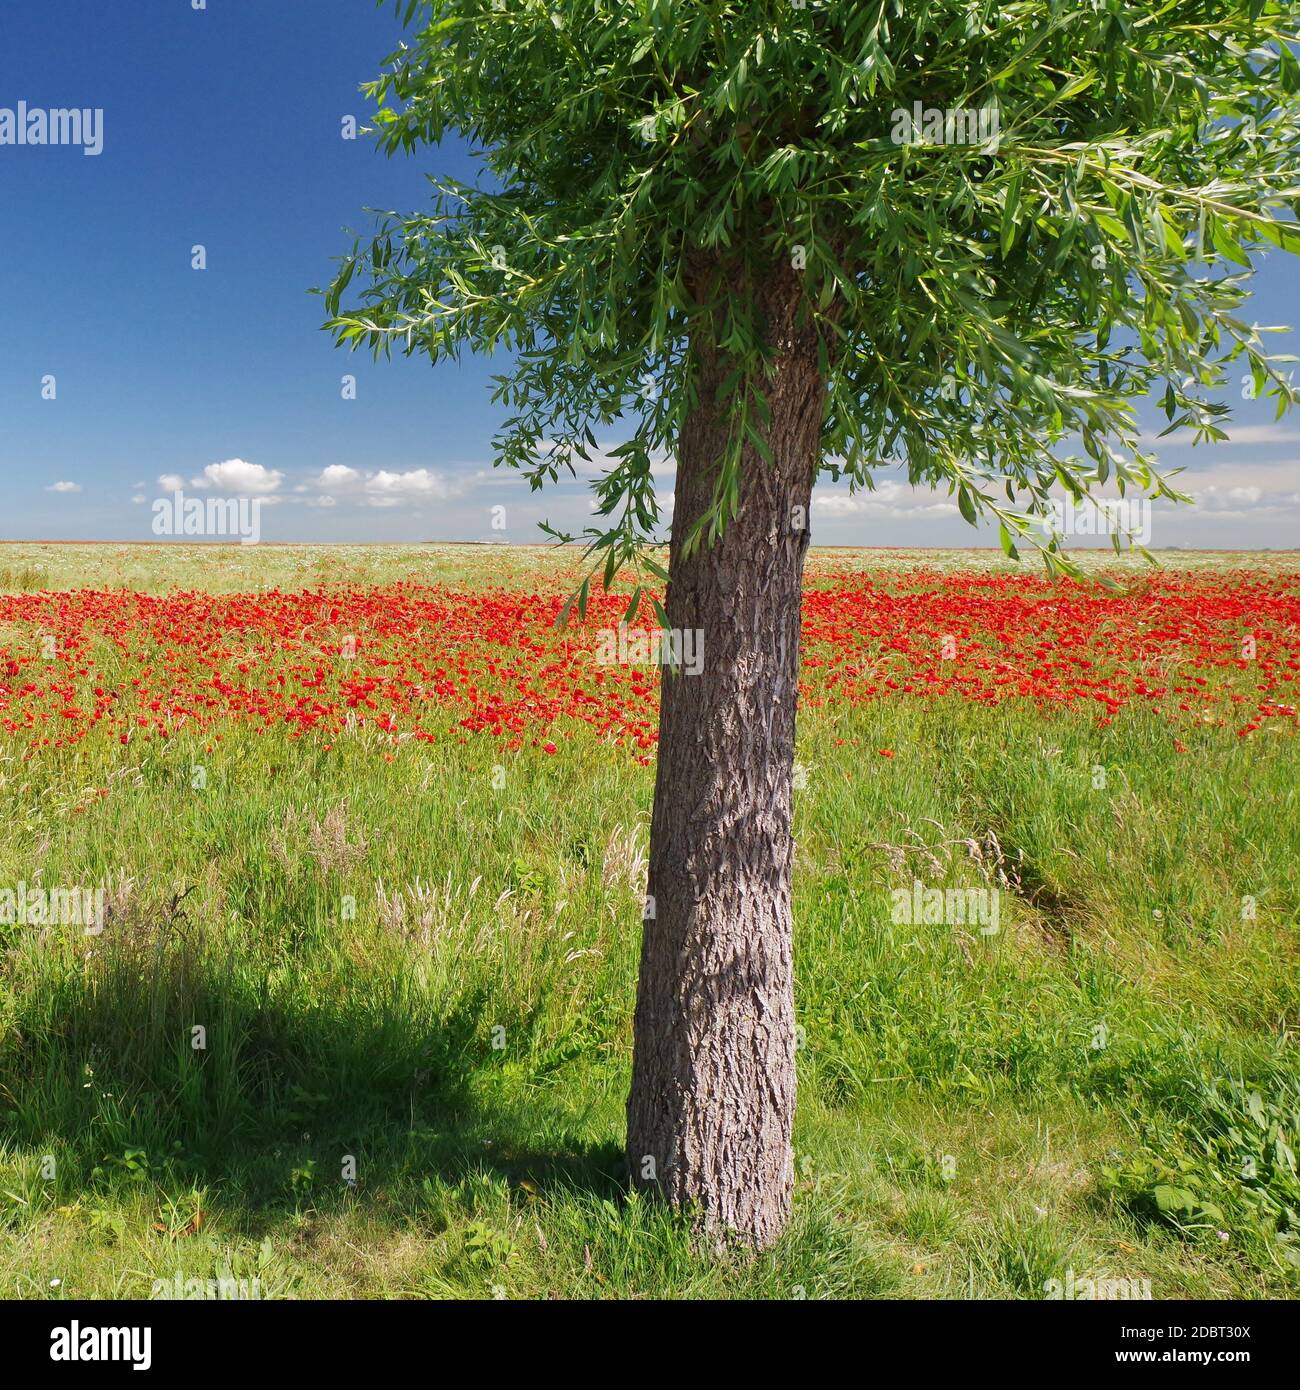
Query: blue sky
{"x":223,"y":128}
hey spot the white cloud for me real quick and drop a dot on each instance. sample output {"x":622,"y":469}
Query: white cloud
{"x":337,"y":475}
{"x":64,"y":487}
{"x":1261,"y":490}
{"x":1244,"y":494}
{"x":385,"y":489}
{"x":889,"y":500}
{"x":171,"y":482}
{"x":235,"y":475}
{"x":1249,"y":436}
{"x":1223,"y":491}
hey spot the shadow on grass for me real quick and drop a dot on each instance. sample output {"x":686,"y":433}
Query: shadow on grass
{"x":164,"y":1067}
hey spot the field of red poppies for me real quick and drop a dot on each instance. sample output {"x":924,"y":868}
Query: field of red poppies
{"x":425,"y":662}
{"x":374,"y":824}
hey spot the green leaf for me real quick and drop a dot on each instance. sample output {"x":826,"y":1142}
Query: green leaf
{"x":1172,"y":1200}
{"x":1009,"y":210}
{"x":966,"y":505}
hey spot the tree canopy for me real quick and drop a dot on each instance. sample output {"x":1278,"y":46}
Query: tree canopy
{"x":994,"y":285}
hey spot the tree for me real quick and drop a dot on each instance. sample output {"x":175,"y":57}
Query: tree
{"x":766,"y":239}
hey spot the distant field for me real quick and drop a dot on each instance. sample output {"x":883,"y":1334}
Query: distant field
{"x":367,"y":820}
{"x":220,"y":568}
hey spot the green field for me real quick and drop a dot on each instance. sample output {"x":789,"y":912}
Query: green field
{"x":1108,"y":1087}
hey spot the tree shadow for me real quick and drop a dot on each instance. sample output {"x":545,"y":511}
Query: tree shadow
{"x":175,"y":1073}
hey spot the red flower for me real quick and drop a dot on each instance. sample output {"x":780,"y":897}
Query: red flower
{"x":413,"y":661}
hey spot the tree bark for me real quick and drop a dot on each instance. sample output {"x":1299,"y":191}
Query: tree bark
{"x":713,"y":1083}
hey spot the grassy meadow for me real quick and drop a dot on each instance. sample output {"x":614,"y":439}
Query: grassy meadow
{"x":413,"y":970}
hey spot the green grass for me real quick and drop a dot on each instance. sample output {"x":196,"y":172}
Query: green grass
{"x":397,"y":964}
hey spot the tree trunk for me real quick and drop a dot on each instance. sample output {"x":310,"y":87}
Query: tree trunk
{"x":713,"y":1082}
